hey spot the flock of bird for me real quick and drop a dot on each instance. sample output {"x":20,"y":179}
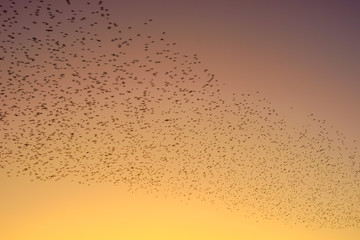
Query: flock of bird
{"x":88,"y":99}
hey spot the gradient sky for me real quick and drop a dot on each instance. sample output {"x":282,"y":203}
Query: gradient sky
{"x":301,"y":56}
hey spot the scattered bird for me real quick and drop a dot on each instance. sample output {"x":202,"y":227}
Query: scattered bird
{"x":88,"y":99}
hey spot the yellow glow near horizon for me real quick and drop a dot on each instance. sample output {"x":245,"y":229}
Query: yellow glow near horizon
{"x":64,"y":210}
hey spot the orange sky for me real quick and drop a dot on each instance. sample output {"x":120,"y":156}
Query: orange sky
{"x":177,"y":170}
{"x":104,"y":211}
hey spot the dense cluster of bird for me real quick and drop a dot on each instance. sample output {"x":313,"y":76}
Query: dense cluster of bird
{"x":85,"y":98}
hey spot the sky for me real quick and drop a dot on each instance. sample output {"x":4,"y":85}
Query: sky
{"x":179,"y":119}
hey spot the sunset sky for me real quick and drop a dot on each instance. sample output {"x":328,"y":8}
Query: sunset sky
{"x":137,"y":119}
